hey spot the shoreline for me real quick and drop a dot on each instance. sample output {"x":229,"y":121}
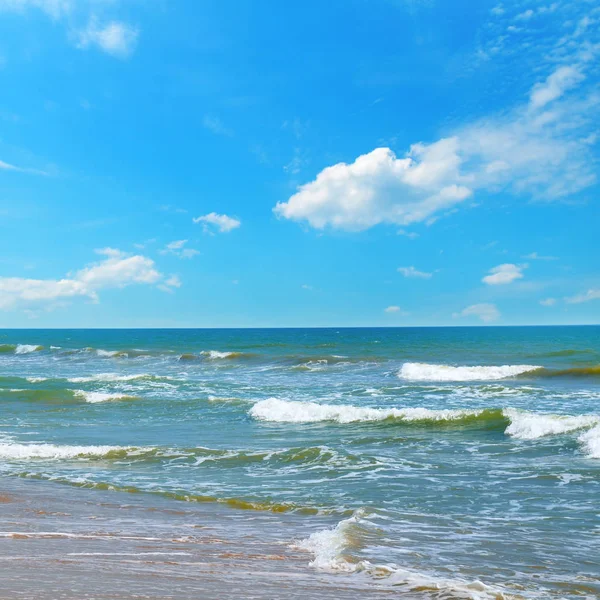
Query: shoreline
{"x":76,"y":541}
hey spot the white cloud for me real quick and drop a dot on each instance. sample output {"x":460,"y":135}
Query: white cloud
{"x":173,"y":281}
{"x":525,"y":15}
{"x":556,"y":84}
{"x":412,"y":272}
{"x":116,"y":270}
{"x":378,"y":188}
{"x":115,"y":38}
{"x":502,"y":274}
{"x":485,"y":312}
{"x":177,"y":248}
{"x":222,"y":223}
{"x":548,"y":302}
{"x":393,"y":309}
{"x":215,"y":125}
{"x":592,"y":294}
{"x":537,"y":149}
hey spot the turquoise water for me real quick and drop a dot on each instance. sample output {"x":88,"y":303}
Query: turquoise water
{"x":414,"y":457}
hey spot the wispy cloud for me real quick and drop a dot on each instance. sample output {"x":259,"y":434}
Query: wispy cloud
{"x":177,"y":249}
{"x":217,"y":126}
{"x":485,"y":312}
{"x":548,"y":302}
{"x":414,"y":273}
{"x":4,"y":166}
{"x":536,"y":256}
{"x":115,"y":37}
{"x":591,"y":294}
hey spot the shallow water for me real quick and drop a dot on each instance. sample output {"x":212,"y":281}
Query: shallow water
{"x":421,"y":461}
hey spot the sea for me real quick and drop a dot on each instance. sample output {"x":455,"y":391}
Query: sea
{"x":433,"y":463}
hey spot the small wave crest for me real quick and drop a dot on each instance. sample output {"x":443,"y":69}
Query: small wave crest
{"x":113,"y":377}
{"x":431,"y":372}
{"x":11,"y":451}
{"x":531,"y":426}
{"x":94,"y":397}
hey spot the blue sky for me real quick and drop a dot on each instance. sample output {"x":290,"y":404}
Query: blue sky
{"x":344,"y":163}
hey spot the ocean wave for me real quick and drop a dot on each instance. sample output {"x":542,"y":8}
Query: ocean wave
{"x":332,"y":551}
{"x":19,"y":348}
{"x":431,"y":372}
{"x":94,"y":397}
{"x":115,"y":377}
{"x":590,"y":442}
{"x":12,"y":451}
{"x":526,"y":425}
{"x":288,"y":411}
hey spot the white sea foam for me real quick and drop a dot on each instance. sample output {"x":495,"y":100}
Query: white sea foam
{"x":108,"y":377}
{"x":36,"y":379}
{"x":26,"y":348}
{"x":330,"y":550}
{"x":216,"y":354}
{"x":590,"y":442}
{"x":530,"y":425}
{"x":106,"y":353}
{"x":52,"y":451}
{"x":94,"y":397}
{"x":286,"y":411}
{"x":430,"y":372}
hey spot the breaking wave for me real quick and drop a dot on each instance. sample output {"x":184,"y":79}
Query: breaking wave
{"x":11,"y":451}
{"x":518,"y":424}
{"x":286,"y":411}
{"x":94,"y":397}
{"x":430,"y":372}
{"x":333,"y":549}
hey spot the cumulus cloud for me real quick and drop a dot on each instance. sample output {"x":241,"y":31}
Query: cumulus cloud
{"x":378,"y":188}
{"x":222,"y":223}
{"x":592,"y":294}
{"x":115,"y":38}
{"x":486,"y":312}
{"x":536,"y":150}
{"x":116,"y":270}
{"x":503,"y":274}
{"x":412,"y":272}
{"x":177,"y":248}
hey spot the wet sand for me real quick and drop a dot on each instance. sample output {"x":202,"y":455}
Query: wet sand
{"x":63,"y":543}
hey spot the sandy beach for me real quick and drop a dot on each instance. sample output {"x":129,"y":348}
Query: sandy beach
{"x":58,"y":542}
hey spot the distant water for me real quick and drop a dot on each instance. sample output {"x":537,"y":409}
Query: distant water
{"x":446,"y":462}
